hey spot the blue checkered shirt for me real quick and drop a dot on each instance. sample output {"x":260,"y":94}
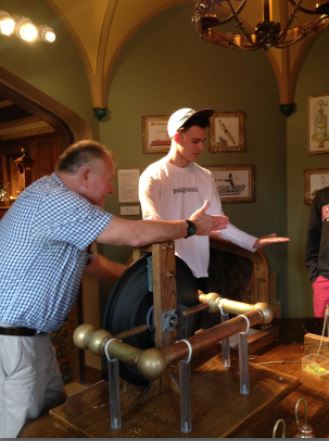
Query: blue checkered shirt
{"x":43,"y":252}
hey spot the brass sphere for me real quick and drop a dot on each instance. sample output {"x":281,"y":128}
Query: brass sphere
{"x":211,"y":299}
{"x":151,"y":363}
{"x":266,"y":311}
{"x":97,"y":340}
{"x":82,"y":335}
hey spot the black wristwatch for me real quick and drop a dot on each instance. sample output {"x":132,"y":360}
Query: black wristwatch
{"x":191,"y":229}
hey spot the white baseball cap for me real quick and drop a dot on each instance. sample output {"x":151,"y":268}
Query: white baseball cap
{"x":179,"y":118}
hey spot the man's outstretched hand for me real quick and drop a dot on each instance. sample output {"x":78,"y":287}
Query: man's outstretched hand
{"x":270,"y":239}
{"x":205,"y":223}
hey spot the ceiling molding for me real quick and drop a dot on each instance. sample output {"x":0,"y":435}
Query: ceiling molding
{"x":23,"y":128}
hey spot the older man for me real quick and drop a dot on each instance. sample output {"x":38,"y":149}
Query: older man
{"x":44,"y":243}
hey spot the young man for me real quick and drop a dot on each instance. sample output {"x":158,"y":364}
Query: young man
{"x":44,"y":242}
{"x":317,"y":251}
{"x":174,"y":186}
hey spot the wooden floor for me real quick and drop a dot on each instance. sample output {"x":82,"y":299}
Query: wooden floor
{"x":282,"y":360}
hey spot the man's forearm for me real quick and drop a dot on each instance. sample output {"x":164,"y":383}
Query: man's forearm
{"x":105,"y":269}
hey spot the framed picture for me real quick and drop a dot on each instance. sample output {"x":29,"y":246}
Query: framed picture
{"x":318,"y":124}
{"x":235,"y":183}
{"x":155,"y":136}
{"x":314,"y":179}
{"x":227,"y":132}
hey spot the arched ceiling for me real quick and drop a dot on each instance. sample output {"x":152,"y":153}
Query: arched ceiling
{"x":112,"y":22}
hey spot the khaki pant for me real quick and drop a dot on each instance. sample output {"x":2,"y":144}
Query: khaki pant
{"x":30,"y":381}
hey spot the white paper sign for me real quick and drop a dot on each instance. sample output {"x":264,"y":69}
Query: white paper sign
{"x":128,"y":185}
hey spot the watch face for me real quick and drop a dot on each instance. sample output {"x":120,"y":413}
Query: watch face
{"x":191,"y":228}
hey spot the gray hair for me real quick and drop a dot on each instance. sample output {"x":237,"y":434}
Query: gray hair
{"x":81,"y":153}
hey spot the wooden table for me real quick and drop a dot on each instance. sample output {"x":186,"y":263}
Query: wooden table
{"x":287,"y":358}
{"x":218,"y":409}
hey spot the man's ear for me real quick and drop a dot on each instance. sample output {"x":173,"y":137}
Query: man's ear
{"x":176,"y":137}
{"x":83,"y":175}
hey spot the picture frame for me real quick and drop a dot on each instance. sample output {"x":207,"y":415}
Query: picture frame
{"x":235,"y":183}
{"x":318,"y":124}
{"x":314,"y":179}
{"x":227,"y":132}
{"x":155,"y":136}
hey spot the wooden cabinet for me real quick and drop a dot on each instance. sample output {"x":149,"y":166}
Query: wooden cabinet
{"x":3,"y":210}
{"x":24,"y":161}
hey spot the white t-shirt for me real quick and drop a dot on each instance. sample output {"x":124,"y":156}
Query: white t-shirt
{"x":170,"y":192}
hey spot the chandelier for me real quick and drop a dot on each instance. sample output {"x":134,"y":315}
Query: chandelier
{"x":208,"y":15}
{"x":25,"y":29}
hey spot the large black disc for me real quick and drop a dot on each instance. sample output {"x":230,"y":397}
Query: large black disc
{"x":130,"y":304}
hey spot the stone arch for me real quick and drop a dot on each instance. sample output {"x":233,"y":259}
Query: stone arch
{"x":68,"y":123}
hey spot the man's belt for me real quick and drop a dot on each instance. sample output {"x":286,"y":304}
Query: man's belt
{"x":19,"y":331}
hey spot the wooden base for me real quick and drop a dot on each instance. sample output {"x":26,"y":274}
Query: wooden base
{"x":262,"y":338}
{"x":218,"y":409}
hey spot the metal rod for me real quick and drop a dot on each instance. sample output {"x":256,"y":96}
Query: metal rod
{"x":216,"y":303}
{"x":131,"y":332}
{"x":153,"y":362}
{"x":185,"y":396}
{"x":114,"y":393}
{"x":183,"y":326}
{"x":209,"y":337}
{"x":243,"y":364}
{"x":266,"y":11}
{"x":123,"y":352}
{"x":194,"y":310}
{"x":226,"y":358}
{"x":235,"y":307}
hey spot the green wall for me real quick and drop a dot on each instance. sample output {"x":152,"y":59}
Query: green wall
{"x":166,"y":66}
{"x":313,"y":80}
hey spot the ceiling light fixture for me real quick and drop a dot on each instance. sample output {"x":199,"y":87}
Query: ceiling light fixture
{"x":208,"y":15}
{"x":25,"y":29}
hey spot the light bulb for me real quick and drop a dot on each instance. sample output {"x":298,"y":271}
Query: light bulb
{"x":7,"y":23}
{"x":26,"y":30}
{"x":47,"y":34}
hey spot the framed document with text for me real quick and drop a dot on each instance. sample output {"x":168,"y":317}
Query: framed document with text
{"x":155,"y":136}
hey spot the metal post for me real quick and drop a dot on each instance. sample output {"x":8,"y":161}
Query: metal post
{"x":243,"y":359}
{"x":185,"y":391}
{"x":226,"y":359}
{"x":114,"y":387}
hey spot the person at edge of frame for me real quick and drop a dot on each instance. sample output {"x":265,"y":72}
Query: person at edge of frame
{"x":317,"y":251}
